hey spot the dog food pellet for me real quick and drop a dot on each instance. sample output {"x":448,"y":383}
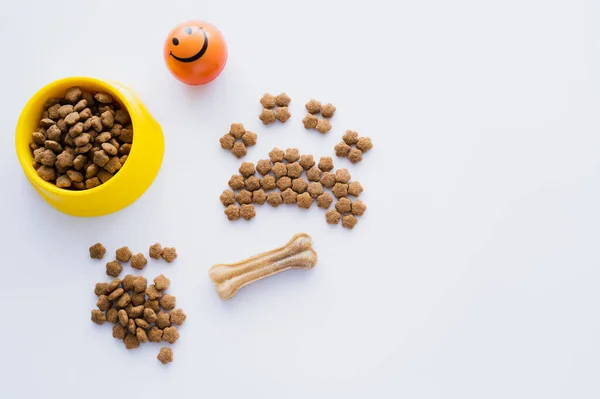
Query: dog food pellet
{"x":355,"y":155}
{"x":135,"y":312}
{"x":364,"y":144}
{"x":263,"y":166}
{"x":267,"y":116}
{"x":299,"y":185}
{"x":232,"y":212}
{"x":324,"y":200}
{"x":342,"y":149}
{"x":332,"y":216}
{"x":239,"y":149}
{"x":101,"y":289}
{"x":123,"y":318}
{"x":98,"y":316}
{"x":113,"y":268}
{"x":153,"y":293}
{"x":247,"y":211}
{"x":178,"y":317}
{"x":124,"y":300}
{"x":282,"y":100}
{"x":112,"y":315}
{"x":313,"y":174}
{"x":292,"y":155}
{"x":163,"y":320}
{"x":349,"y":221}
{"x":227,"y":141}
{"x":284,"y":183}
{"x":282,"y":114}
{"x":267,"y":101}
{"x":152,"y":304}
{"x":168,"y":302}
{"x":138,"y":298}
{"x":116,"y":294}
{"x":307,"y":161}
{"x":149,"y":315}
{"x":131,"y":341}
{"x":340,"y":190}
{"x":289,"y":196}
{"x":244,"y":197}
{"x":328,"y":180}
{"x":304,"y":200}
{"x":259,"y":196}
{"x":123,"y":255}
{"x":169,"y":254}
{"x":237,"y":130}
{"x":268,"y":182}
{"x":315,"y":189}
{"x":276,"y":155}
{"x":313,"y":106}
{"x":247,"y":169}
{"x":155,"y":334}
{"x":350,"y":137}
{"x":354,"y":188}
{"x":138,"y":261}
{"x":294,"y":170}
{"x":236,"y":182}
{"x":249,"y":138}
{"x":142,"y":323}
{"x":279,"y":169}
{"x":342,"y":176}
{"x":170,"y":334}
{"x":127,"y":282}
{"x":140,"y":333}
{"x":227,"y":198}
{"x":161,"y":282}
{"x":326,"y":164}
{"x":323,"y":126}
{"x":140,"y":284}
{"x":113,"y":285}
{"x":310,"y":121}
{"x":252,"y":183}
{"x":103,"y":303}
{"x":119,"y":331}
{"x":343,"y":205}
{"x":274,"y":199}
{"x":97,"y":251}
{"x":358,"y":208}
{"x":165,"y":355}
{"x":328,"y":110}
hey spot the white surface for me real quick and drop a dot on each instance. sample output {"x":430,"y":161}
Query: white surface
{"x":474,"y":273}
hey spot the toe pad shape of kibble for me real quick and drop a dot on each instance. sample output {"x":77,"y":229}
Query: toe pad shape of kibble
{"x":238,"y":140}
{"x":312,"y":121}
{"x":275,"y":108}
{"x":352,"y":146}
{"x":83,"y":139}
{"x":280,"y":180}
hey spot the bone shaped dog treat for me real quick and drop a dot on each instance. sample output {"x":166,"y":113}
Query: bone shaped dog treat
{"x":229,"y":278}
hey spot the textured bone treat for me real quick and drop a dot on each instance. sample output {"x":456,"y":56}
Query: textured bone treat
{"x":229,"y":278}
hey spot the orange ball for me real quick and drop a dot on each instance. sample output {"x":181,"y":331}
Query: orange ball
{"x":195,"y":52}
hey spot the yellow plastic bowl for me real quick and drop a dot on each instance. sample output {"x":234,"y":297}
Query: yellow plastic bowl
{"x":128,"y":184}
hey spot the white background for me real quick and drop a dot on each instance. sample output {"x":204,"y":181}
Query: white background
{"x":473,"y":274}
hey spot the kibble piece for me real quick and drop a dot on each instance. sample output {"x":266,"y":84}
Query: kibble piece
{"x":140,"y":333}
{"x":113,"y":285}
{"x":244,"y":197}
{"x":314,"y":174}
{"x":340,"y":190}
{"x":103,"y":303}
{"x":128,"y":280}
{"x":304,"y":200}
{"x":161,"y":282}
{"x":53,"y":133}
{"x":274,"y":199}
{"x":123,"y":318}
{"x":108,"y":119}
{"x":116,"y":294}
{"x":75,"y":176}
{"x":259,"y":197}
{"x":342,"y":149}
{"x":276,"y":155}
{"x":83,"y":150}
{"x":324,"y":200}
{"x":53,"y":112}
{"x":364,"y":144}
{"x":310,"y":121}
{"x":142,"y":323}
{"x":328,"y":180}
{"x":113,"y":165}
{"x":268,"y":182}
{"x":149,"y":315}
{"x":358,"y":208}
{"x":101,"y":289}
{"x":232,"y":212}
{"x":126,"y":136}
{"x":289,"y":196}
{"x":349,"y":221}
{"x":247,"y":169}
{"x":227,"y":198}
{"x":131,"y":327}
{"x":62,"y":125}
{"x":122,"y":117}
{"x":279,"y":169}
{"x":252,"y":183}
{"x":119,"y":331}
{"x":328,"y":110}
{"x":170,"y":335}
{"x":152,"y":304}
{"x":332,"y":216}
{"x":292,"y":155}
{"x":138,"y":261}
{"x":227,"y":141}
{"x":315,"y":189}
{"x":344,"y":205}
{"x":237,"y":130}
{"x":236,"y":182}
{"x":113,"y":268}
{"x":284,"y":183}
{"x":355,"y":188}
{"x":294,"y":170}
{"x":355,"y":155}
{"x":101,"y":159}
{"x":47,"y":157}
{"x":282,"y":114}
{"x":169,"y":254}
{"x":282,"y":100}
{"x":168,"y":302}
{"x":313,"y":106}
{"x":350,"y":137}
{"x":155,"y":334}
{"x":108,"y":148}
{"x":72,"y":118}
{"x":299,"y":185}
{"x":112,"y":315}
{"x":65,"y":110}
{"x":47,"y":173}
{"x":163,"y":320}
{"x":153,"y":293}
{"x":38,"y":138}
{"x":98,"y":317}
{"x":323,"y":126}
{"x":131,"y":341}
{"x":247,"y":211}
{"x":326,"y":164}
{"x":178,"y":317}
{"x":138,"y":299}
{"x":267,"y":116}
{"x":342,"y":175}
{"x":165,"y":355}
{"x":123,"y":254}
{"x":73,"y":94}
{"x":249,"y":138}
{"x":307,"y":161}
{"x":53,"y":145}
{"x":239,"y":149}
{"x":103,"y":175}
{"x":263,"y":166}
{"x":103,"y":98}
{"x":140,"y":284}
{"x":97,"y":251}
{"x":93,"y":182}
{"x":63,"y":181}
{"x":267,"y":100}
